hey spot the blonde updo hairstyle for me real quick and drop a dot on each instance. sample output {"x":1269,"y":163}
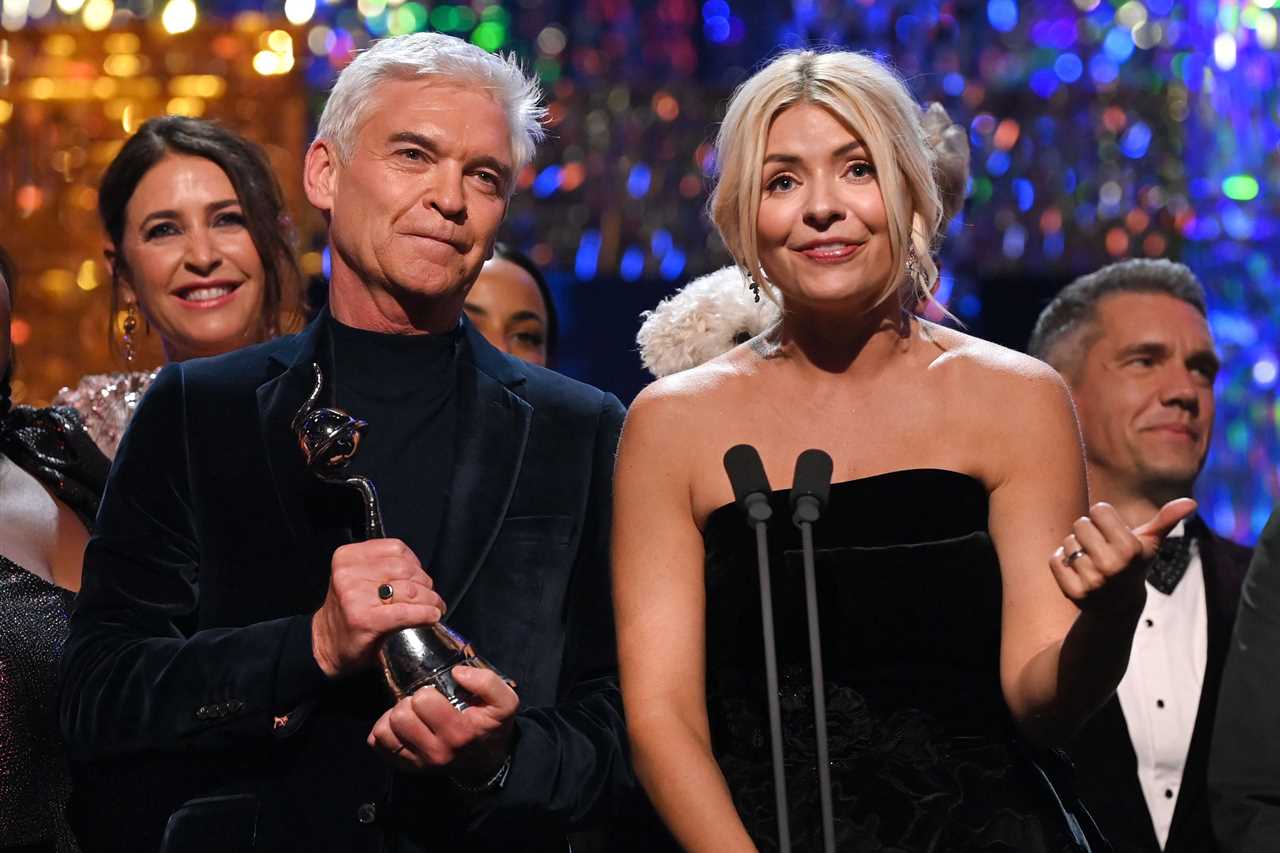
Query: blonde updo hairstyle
{"x":872,"y":101}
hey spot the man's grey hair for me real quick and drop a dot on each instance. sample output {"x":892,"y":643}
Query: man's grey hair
{"x":434,"y":55}
{"x":1057,"y":337}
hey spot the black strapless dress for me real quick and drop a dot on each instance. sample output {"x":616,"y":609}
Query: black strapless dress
{"x":924,"y":756}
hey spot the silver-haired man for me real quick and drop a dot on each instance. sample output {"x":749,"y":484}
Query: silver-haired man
{"x":220,"y":684}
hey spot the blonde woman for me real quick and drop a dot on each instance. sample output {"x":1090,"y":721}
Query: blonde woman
{"x":958,"y":622}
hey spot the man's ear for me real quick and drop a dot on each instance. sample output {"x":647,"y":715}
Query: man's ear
{"x":319,"y":174}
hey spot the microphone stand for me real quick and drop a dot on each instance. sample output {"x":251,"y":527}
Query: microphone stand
{"x":809,"y":492}
{"x":751,"y":486}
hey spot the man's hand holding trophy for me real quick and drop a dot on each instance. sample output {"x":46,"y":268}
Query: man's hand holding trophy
{"x":381,"y":606}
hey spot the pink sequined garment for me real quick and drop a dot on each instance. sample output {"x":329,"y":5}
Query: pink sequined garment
{"x":106,"y":402}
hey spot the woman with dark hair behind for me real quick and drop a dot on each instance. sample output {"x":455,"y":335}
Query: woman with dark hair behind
{"x":511,"y":305}
{"x":199,"y":246}
{"x":51,"y":479}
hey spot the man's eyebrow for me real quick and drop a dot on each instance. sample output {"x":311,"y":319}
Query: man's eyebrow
{"x":428,"y":144}
{"x":1152,"y":348}
{"x":414,"y":138}
{"x":843,"y":151}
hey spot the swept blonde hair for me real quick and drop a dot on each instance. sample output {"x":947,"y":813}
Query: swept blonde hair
{"x":873,"y":102}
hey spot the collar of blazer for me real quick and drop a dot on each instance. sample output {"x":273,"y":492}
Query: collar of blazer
{"x":487,"y":460}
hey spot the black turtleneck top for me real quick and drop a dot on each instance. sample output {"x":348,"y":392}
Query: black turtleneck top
{"x":403,"y":385}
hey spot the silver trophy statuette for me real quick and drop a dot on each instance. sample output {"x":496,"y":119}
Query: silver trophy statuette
{"x":411,"y":657}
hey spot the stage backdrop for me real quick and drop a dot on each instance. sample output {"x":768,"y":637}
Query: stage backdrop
{"x":1100,"y":130}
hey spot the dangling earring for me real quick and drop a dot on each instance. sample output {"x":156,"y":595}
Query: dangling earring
{"x":129,"y":326}
{"x":914,"y":271}
{"x":751,"y":282}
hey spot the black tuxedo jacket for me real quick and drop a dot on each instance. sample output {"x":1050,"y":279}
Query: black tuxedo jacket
{"x":1106,"y":766}
{"x":190,"y":695}
{"x":1244,"y":765}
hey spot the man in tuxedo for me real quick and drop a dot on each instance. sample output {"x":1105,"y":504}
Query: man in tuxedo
{"x":220,"y":684}
{"x":1133,"y":343}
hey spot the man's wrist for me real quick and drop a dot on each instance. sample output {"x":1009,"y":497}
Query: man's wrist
{"x":492,"y":783}
{"x":317,"y":648}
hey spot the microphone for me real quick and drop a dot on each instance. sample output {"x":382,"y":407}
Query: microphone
{"x":751,"y":492}
{"x":811,"y":486}
{"x":750,"y":485}
{"x":810,"y":489}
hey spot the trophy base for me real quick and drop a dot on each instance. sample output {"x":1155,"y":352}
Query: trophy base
{"x":441,"y":680}
{"x":413,"y":658}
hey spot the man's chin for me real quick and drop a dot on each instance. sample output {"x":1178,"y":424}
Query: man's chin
{"x":1176,"y":478}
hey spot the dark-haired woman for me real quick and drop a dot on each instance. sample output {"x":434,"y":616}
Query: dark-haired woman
{"x":198,"y":244}
{"x":510,"y":304}
{"x":51,"y":478}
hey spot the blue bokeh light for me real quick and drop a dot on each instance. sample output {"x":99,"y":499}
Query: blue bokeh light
{"x":638,"y":180}
{"x":1136,"y":140}
{"x":1103,"y":70}
{"x":1043,"y":82}
{"x":672,"y":264}
{"x":588,"y":256}
{"x":632,"y":265}
{"x":547,"y":182}
{"x":1003,"y":14}
{"x":715,"y":9}
{"x":1026,"y":193}
{"x":717,"y":29}
{"x":998,"y":163}
{"x":1068,"y":67}
{"x":1118,"y":45}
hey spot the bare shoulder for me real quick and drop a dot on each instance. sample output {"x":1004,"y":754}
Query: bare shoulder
{"x":693,"y":393}
{"x":983,"y":368}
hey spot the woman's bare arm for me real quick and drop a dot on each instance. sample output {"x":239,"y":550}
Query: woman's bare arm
{"x":1066,"y":630}
{"x":659,"y":601}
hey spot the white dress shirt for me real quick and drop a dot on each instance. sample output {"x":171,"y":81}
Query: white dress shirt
{"x":1160,"y":692}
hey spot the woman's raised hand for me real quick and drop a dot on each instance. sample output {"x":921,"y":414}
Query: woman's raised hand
{"x":1102,"y":563}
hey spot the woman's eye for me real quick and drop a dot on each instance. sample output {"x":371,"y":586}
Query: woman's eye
{"x":230,"y":219}
{"x":163,"y":229}
{"x":861,"y":169}
{"x":532,"y":340}
{"x":782,"y":183}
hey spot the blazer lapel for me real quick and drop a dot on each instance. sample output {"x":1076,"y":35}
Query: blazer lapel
{"x":493,"y":431}
{"x":279,"y":399}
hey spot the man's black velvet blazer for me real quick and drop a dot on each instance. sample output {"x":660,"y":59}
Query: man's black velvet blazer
{"x":191,"y":702}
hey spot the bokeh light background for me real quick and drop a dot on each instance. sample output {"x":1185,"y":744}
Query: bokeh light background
{"x":1100,"y":130}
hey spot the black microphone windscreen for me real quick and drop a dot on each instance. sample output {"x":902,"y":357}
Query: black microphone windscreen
{"x":813,"y":477}
{"x":746,"y":472}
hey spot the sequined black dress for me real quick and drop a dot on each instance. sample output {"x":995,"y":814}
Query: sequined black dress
{"x":922,"y":747}
{"x":51,"y":445}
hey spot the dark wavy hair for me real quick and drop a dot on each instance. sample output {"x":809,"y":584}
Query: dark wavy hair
{"x":520,"y":259}
{"x":257,"y":190}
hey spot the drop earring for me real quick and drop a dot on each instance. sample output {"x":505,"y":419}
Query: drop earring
{"x":914,"y":272}
{"x":129,"y":326}
{"x":752,"y":283}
